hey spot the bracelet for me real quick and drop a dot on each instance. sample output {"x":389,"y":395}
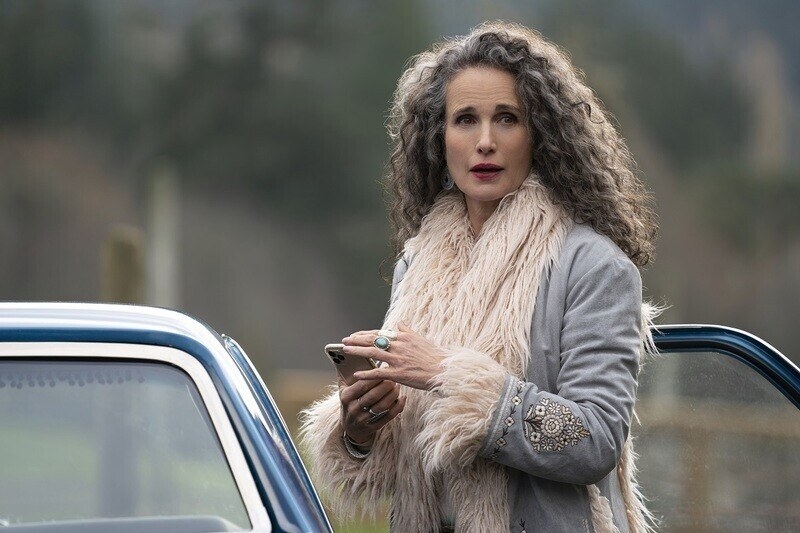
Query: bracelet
{"x":352,"y":448}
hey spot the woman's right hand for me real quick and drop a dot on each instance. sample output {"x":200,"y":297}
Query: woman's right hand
{"x":357,"y":400}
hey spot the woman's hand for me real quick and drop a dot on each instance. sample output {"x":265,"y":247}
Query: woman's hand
{"x":359,"y":398}
{"x":412,"y":359}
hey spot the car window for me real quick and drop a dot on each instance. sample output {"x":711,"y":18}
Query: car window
{"x":717,"y":445}
{"x":83,"y":440}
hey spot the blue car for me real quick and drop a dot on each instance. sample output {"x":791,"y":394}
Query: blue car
{"x":127,"y":419}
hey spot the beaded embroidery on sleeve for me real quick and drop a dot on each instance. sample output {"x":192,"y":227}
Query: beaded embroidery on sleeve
{"x":550,"y":426}
{"x":509,"y":421}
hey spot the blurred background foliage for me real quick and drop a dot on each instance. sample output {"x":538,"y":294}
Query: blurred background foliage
{"x":269,"y":116}
{"x":266,"y":119}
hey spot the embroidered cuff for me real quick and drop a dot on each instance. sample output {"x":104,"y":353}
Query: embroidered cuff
{"x":503,"y":418}
{"x":548,"y":425}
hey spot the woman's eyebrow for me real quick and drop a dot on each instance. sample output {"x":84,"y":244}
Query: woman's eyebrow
{"x":465,"y":109}
{"x":498,"y":108}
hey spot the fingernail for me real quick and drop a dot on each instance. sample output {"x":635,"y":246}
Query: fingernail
{"x":347,"y":349}
{"x":345,"y":340}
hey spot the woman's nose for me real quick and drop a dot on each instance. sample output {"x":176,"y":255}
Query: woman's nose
{"x":486,"y":143}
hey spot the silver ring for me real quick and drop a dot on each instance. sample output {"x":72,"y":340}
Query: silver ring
{"x":376,"y":416}
{"x":388,"y":333}
{"x":382,"y":342}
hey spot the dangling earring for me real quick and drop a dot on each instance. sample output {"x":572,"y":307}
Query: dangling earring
{"x":447,"y":180}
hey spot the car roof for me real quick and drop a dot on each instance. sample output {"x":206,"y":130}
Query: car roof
{"x":101,"y":316}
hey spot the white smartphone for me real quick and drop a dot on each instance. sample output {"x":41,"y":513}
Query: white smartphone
{"x":347,"y":365}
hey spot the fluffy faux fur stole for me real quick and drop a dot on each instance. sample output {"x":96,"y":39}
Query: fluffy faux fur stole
{"x":462,"y":292}
{"x":475,"y":298}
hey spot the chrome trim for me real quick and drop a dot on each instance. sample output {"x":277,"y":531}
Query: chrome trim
{"x":259,"y":518}
{"x":101,"y":316}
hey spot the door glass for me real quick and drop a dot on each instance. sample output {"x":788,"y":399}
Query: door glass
{"x":718,"y":446}
{"x":110,"y":440}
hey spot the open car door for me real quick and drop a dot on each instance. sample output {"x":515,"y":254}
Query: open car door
{"x":718,"y":432}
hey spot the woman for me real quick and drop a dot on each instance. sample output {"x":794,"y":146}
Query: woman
{"x":511,"y":344}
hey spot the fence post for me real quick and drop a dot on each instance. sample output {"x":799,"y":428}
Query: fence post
{"x":163,"y":232}
{"x":123,"y":266}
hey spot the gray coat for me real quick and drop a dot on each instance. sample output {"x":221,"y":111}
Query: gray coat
{"x":565,"y":426}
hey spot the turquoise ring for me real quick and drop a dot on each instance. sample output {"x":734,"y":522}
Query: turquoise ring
{"x":382,"y":342}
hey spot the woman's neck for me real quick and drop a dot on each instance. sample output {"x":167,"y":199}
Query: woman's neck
{"x":478,"y":213}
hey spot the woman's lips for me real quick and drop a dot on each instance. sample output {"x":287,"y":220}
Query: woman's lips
{"x":485,"y":171}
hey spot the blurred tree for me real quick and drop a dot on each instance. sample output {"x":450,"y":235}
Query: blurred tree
{"x":752,"y":211}
{"x":46,"y":56}
{"x":287,"y":103}
{"x":290,"y":109}
{"x":693,"y":109}
{"x":724,"y":24}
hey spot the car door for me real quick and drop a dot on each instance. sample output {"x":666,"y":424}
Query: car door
{"x":718,"y":432}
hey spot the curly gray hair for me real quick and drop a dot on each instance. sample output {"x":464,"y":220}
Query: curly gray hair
{"x":577,"y":153}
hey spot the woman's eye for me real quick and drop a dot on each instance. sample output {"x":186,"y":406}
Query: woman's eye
{"x":464,"y":119}
{"x":508,"y":118}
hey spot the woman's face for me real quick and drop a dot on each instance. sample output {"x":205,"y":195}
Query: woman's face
{"x":488,"y":148}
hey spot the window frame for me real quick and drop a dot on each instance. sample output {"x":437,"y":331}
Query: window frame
{"x":754,"y":352}
{"x":146,"y":353}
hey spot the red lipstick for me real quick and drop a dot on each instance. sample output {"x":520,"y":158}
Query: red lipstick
{"x":486,"y":171}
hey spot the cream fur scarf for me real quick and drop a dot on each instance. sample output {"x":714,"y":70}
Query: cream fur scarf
{"x":459,"y":292}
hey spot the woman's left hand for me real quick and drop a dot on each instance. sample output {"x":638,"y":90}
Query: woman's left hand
{"x":412,"y":359}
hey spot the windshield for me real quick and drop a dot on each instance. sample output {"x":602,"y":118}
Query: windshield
{"x":109,"y":440}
